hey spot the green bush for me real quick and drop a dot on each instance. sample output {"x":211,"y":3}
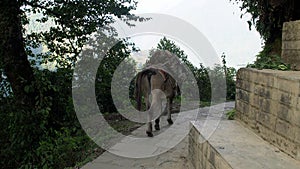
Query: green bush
{"x":265,"y":60}
{"x":64,"y":148}
{"x":48,"y":135}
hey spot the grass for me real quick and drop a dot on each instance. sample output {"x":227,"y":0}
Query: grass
{"x":231,"y":114}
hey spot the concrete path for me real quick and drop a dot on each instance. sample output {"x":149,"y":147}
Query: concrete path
{"x":234,"y":146}
{"x":168,"y":148}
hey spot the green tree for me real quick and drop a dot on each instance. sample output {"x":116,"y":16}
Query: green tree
{"x":106,"y":72}
{"x":166,"y":44}
{"x":268,"y":17}
{"x":204,"y":75}
{"x":40,"y":128}
{"x":73,"y":22}
{"x":201,"y":74}
{"x":204,"y":83}
{"x":171,"y":46}
{"x":230,"y":73}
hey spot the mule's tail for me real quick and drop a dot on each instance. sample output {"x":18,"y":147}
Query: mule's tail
{"x":138,"y":92}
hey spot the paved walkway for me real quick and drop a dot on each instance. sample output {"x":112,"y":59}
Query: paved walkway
{"x":174,"y":146}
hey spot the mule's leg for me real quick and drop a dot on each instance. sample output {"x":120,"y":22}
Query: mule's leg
{"x":169,"y":105}
{"x":149,"y":124}
{"x":156,"y":126}
{"x":149,"y":130}
{"x":155,"y":107}
{"x":149,"y":117}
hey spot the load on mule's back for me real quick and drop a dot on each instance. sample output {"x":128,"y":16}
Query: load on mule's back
{"x":156,"y":81}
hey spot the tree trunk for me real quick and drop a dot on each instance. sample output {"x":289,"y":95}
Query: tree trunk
{"x":12,"y":51}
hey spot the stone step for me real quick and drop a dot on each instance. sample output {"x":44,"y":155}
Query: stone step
{"x":232,"y":146}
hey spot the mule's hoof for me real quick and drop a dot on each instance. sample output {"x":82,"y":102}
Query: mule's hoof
{"x":170,"y":121}
{"x":156,"y":127}
{"x":149,"y":134}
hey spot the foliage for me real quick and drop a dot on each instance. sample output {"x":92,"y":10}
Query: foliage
{"x":231,"y":114}
{"x":230,"y":83}
{"x":64,"y":148}
{"x":72,"y":24}
{"x":166,"y":44}
{"x":40,"y":128}
{"x":268,"y":16}
{"x":203,"y":74}
{"x":203,"y":81}
{"x":230,"y":74}
{"x":106,"y":72}
{"x":265,"y":60}
{"x":47,"y":136}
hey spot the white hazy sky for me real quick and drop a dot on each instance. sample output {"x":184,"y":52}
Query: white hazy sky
{"x":218,"y":20}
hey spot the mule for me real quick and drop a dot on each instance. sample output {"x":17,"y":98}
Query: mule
{"x":155,"y":83}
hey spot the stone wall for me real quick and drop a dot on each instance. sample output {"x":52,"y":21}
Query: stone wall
{"x":233,"y":146}
{"x":268,"y":102}
{"x":203,"y":155}
{"x":291,"y":44}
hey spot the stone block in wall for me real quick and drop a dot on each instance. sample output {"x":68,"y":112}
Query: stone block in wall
{"x":291,"y":35}
{"x":274,"y":107}
{"x":297,"y":134}
{"x":264,"y":78}
{"x":264,"y":104}
{"x":266,"y":133}
{"x":243,"y":95}
{"x":244,"y":84}
{"x":288,"y":85}
{"x":291,"y":56}
{"x":254,"y":100}
{"x":287,"y":98}
{"x":285,"y":129}
{"x":243,"y":75}
{"x":291,"y":26}
{"x":295,"y":119}
{"x":284,"y":112}
{"x":253,"y":113}
{"x":242,"y":107}
{"x":291,"y":44}
{"x":267,"y":120}
{"x":262,"y":91}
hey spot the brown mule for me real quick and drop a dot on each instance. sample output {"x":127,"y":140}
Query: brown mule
{"x":155,"y":83}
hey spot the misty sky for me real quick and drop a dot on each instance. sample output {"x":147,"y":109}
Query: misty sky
{"x":218,"y":20}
